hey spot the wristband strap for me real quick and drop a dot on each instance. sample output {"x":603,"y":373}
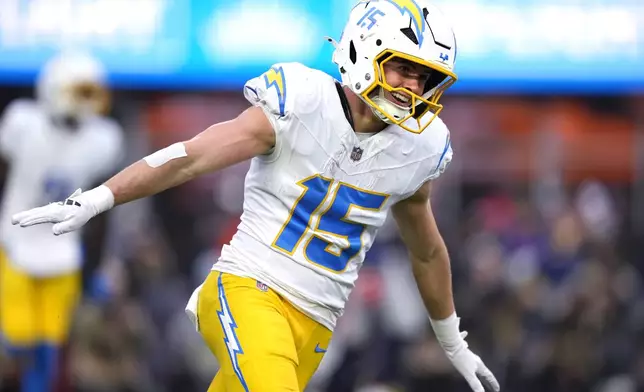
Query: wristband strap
{"x":101,"y":198}
{"x":446,"y":330}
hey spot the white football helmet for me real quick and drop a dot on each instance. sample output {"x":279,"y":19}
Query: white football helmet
{"x":381,"y":30}
{"x":73,"y":84}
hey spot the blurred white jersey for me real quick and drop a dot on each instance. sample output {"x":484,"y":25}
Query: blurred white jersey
{"x":312,"y":207}
{"x":47,"y":164}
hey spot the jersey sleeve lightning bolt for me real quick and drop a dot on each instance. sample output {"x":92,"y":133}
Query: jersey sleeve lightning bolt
{"x":273,"y":91}
{"x":270,"y":91}
{"x":274,"y":78}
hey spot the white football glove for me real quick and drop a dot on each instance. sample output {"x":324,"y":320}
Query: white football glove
{"x":468,"y":364}
{"x":70,"y":214}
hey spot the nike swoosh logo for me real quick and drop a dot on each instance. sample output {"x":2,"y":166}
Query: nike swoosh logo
{"x":319,"y":350}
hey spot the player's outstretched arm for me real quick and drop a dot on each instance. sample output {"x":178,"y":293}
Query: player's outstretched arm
{"x":219,"y":146}
{"x":431,"y":268}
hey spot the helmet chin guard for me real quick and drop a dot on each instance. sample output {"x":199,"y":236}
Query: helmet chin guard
{"x":396,"y":111}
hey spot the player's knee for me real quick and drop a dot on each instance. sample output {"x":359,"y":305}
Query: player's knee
{"x":55,"y":336}
{"x":17,"y":336}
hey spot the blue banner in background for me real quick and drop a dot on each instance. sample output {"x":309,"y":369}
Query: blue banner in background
{"x":130,"y":36}
{"x":530,"y":46}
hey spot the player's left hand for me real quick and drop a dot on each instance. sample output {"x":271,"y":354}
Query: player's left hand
{"x":470,"y":366}
{"x":67,"y":215}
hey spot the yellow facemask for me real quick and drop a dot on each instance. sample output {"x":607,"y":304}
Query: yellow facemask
{"x":420,"y":106}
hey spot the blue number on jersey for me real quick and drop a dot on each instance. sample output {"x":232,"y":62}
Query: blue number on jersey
{"x":333,"y":221}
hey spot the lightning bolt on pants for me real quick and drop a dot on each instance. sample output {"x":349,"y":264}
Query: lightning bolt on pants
{"x":262,"y":343}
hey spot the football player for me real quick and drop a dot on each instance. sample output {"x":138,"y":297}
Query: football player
{"x":330,"y":160}
{"x":52,"y":145}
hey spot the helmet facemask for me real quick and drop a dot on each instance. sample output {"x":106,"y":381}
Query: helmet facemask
{"x":422,"y":108}
{"x":85,"y":99}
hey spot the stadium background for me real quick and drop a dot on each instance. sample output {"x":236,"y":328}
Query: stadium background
{"x":542,"y":207}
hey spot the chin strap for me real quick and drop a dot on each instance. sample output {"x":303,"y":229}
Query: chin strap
{"x":396,"y":111}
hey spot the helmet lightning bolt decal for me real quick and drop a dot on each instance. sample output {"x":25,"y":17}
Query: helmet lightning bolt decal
{"x":411,"y":8}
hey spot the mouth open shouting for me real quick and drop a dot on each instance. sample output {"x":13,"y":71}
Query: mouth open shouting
{"x":399,"y":98}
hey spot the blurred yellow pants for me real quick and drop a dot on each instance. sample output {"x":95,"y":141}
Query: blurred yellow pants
{"x":263,"y":344}
{"x":35,"y":310}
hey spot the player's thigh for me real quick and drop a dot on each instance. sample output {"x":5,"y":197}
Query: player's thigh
{"x":58,"y":297}
{"x":311,"y":354}
{"x":311,"y":341}
{"x":248,"y":333}
{"x":17,"y":305}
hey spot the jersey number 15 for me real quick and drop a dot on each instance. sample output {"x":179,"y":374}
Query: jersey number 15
{"x":332,"y":202}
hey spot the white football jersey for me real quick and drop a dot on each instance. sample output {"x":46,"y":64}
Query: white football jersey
{"x":312,"y":206}
{"x":46,"y":164}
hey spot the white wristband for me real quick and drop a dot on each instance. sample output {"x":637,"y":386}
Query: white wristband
{"x":101,"y":198}
{"x":447,"y":330}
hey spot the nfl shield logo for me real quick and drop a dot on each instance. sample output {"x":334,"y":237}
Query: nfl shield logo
{"x":356,"y":154}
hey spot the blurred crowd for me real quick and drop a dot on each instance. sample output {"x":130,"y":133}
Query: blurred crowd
{"x":546,"y":264}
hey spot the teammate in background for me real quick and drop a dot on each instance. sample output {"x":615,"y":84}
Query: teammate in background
{"x":329,"y":161}
{"x":52,"y":145}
